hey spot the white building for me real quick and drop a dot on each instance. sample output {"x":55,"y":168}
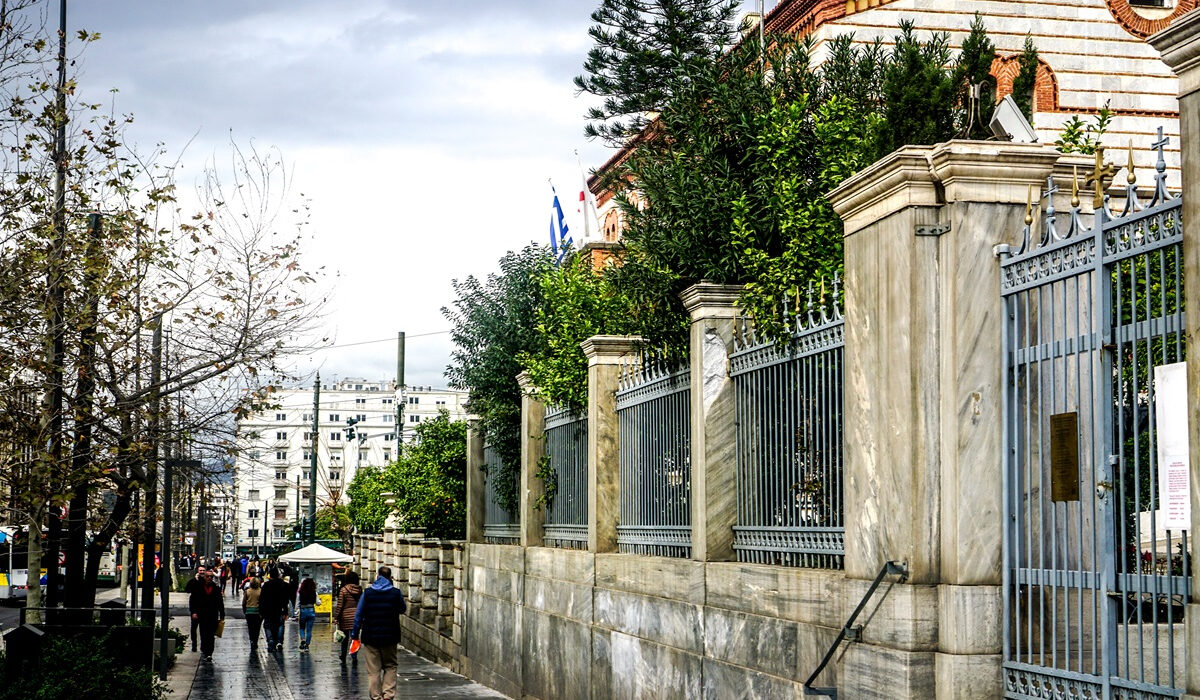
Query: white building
{"x":423,"y":403}
{"x":274,"y":448}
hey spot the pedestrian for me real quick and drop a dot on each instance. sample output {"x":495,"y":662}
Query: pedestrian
{"x":377,"y":627}
{"x":250,"y":607}
{"x":236,"y":574}
{"x":224,"y":577}
{"x":272,"y":606}
{"x":344,"y":610}
{"x":207,"y":606}
{"x":192,"y":587}
{"x":307,"y":602}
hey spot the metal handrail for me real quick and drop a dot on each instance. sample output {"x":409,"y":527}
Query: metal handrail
{"x":894,"y":568}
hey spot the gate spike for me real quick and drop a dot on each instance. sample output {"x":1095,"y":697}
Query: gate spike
{"x":1077,"y":227}
{"x":811,"y":322}
{"x":837,"y":308}
{"x":1132,"y":204}
{"x":1160,"y":170}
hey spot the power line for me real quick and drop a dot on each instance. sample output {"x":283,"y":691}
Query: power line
{"x":382,"y":340}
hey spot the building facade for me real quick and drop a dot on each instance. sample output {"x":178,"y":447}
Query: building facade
{"x":272,"y":478}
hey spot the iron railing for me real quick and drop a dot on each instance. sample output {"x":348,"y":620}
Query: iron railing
{"x":500,"y":525}
{"x":789,"y":424}
{"x":654,"y":416}
{"x":1094,"y":586}
{"x":567,"y":483}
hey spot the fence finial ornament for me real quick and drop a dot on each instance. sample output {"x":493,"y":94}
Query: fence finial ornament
{"x":811,"y":321}
{"x":1130,"y":175}
{"x":1074,"y":186}
{"x":1099,"y":173}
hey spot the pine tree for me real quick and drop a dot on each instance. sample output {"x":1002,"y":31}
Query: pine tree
{"x":1026,"y":80}
{"x":974,"y":71}
{"x":640,"y":45}
{"x":918,"y":92}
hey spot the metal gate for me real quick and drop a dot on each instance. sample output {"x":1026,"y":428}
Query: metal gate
{"x":1094,"y":586}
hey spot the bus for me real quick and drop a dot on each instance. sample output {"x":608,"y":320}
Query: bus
{"x":14,"y":571}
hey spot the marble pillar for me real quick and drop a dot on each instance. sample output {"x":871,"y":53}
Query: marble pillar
{"x":605,"y":354}
{"x":476,"y":494}
{"x":924,"y":362}
{"x":533,"y":449}
{"x":1179,"y":45}
{"x":712,"y":310}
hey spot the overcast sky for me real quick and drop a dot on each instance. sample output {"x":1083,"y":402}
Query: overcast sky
{"x":422,"y":131}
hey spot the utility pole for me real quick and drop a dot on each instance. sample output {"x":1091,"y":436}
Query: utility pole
{"x":301,"y":537}
{"x":52,"y":412}
{"x":148,"y":571}
{"x":312,"y":464}
{"x":400,"y":391}
{"x":165,"y":560}
{"x":266,"y":505}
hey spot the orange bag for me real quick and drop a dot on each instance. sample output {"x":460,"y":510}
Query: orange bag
{"x":354,"y":645}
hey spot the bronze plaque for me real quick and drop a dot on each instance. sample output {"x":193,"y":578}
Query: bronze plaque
{"x":1064,"y":457}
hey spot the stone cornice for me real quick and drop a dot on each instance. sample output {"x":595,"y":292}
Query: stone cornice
{"x":899,"y":180}
{"x":609,"y":349}
{"x":1179,"y":45}
{"x":991,"y":171}
{"x":708,"y":299}
{"x":525,"y":381}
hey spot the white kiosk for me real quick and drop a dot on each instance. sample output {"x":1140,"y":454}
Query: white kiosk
{"x":316,"y":561}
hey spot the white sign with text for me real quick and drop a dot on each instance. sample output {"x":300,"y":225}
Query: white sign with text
{"x":1171,"y":416}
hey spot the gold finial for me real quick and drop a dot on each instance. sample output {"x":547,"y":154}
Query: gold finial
{"x":1131,"y":176}
{"x":1029,"y":206}
{"x":797,"y":299}
{"x":1075,"y":186}
{"x":822,"y":289}
{"x":1101,"y":171}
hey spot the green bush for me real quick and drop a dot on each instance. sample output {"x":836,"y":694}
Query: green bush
{"x":82,"y":669}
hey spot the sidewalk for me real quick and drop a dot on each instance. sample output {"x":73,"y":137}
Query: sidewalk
{"x":316,"y":674}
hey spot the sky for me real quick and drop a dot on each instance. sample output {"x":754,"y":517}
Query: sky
{"x":423,"y":134}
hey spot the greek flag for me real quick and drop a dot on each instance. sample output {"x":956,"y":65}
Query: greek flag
{"x":560,"y":236}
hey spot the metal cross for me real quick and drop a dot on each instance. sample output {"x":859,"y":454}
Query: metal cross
{"x":1159,"y":145}
{"x":1102,"y":170}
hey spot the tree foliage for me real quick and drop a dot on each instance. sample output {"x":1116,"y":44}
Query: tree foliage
{"x":640,"y":48}
{"x":577,"y":303}
{"x":975,"y":83}
{"x":1026,"y":81}
{"x":493,"y":321}
{"x":919,"y":91}
{"x":428,"y":482}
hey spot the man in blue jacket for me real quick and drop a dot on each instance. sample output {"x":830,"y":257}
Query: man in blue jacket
{"x":377,"y":627}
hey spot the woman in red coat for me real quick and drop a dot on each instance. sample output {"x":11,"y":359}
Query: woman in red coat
{"x":344,"y":609}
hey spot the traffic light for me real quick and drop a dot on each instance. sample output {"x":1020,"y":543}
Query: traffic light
{"x":350,"y":422}
{"x":298,"y":530}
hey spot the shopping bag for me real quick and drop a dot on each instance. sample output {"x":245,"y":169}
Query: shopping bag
{"x":354,"y":646}
{"x":338,"y":636}
{"x":220,"y":628}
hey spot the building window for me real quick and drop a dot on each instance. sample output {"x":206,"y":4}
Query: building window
{"x":440,"y":402}
{"x":414,"y":399}
{"x":252,"y":494}
{"x":252,"y":513}
{"x":388,"y":402}
{"x":252,"y":532}
{"x":388,"y":418}
{"x":361,"y":417}
{"x":307,"y":418}
{"x":387,"y":437}
{"x":280,"y":493}
{"x":335,"y":457}
{"x":360,"y":401}
{"x":304,"y":475}
{"x":308,"y":436}
{"x":255,"y":454}
{"x":358,"y":387}
{"x":414,"y":418}
{"x":279,"y":533}
{"x":304,"y":495}
{"x":335,"y":437}
{"x":280,"y":416}
{"x":335,"y":417}
{"x":307,"y":455}
{"x":281,"y":455}
{"x":387,"y":455}
{"x":335,"y":476}
{"x":362,"y":455}
{"x":280,"y":513}
{"x":281,"y":475}
{"x":281,"y":435}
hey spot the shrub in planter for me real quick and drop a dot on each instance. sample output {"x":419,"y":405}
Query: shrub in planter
{"x":80,"y":668}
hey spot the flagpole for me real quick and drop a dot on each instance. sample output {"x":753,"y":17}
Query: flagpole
{"x":586,"y":203}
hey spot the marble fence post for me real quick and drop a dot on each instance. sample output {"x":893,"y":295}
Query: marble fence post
{"x":923,"y":383}
{"x":714,"y":461}
{"x":605,"y":355}
{"x":1179,"y":45}
{"x":533,"y":448}
{"x":476,"y":494}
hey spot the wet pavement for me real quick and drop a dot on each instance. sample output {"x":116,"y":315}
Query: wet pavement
{"x":317,"y":673}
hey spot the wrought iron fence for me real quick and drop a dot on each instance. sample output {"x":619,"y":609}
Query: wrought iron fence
{"x":789,"y":422}
{"x":654,"y":415}
{"x":1094,"y":584}
{"x":500,"y":525}
{"x":567,"y":479}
